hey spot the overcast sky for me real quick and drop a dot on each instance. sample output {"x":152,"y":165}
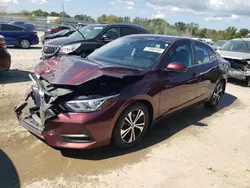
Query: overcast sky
{"x":217,"y":14}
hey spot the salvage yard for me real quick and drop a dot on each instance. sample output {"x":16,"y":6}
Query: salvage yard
{"x":195,"y":148}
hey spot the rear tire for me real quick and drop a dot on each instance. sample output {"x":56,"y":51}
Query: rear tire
{"x":24,"y":44}
{"x":216,"y":96}
{"x":131,"y":126}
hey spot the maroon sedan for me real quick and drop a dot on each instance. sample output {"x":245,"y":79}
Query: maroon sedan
{"x":118,"y":90}
{"x":5,"y":58}
{"x":56,"y":29}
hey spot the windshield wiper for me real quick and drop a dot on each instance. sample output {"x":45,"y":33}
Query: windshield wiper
{"x":77,"y":30}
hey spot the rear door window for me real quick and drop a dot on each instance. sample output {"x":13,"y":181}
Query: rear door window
{"x":6,"y":27}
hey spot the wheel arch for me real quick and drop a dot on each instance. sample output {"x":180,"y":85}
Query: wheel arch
{"x":224,"y":81}
{"x":144,"y":101}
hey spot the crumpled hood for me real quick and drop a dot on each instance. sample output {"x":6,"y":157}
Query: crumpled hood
{"x":68,"y":70}
{"x":234,"y":55}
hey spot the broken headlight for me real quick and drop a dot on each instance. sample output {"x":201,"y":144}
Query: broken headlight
{"x":89,"y":105}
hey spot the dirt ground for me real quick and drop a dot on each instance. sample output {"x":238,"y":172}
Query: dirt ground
{"x":192,"y":149}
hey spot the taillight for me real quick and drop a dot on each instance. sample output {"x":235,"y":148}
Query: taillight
{"x":34,"y":33}
{"x":2,"y":43}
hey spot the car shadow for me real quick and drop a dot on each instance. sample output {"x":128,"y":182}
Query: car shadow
{"x":242,"y":83}
{"x":32,"y":47}
{"x":8,"y":174}
{"x":163,"y":130}
{"x":14,"y":76}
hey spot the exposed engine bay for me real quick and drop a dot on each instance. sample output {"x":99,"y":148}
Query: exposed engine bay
{"x":51,"y":99}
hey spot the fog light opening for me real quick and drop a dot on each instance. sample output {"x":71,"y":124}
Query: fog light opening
{"x":76,"y":138}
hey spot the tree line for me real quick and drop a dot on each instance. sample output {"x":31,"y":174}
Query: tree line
{"x":156,"y":26}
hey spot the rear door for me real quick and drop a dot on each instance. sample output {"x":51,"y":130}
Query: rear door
{"x":208,"y":66}
{"x":179,"y":88}
{"x":11,"y":33}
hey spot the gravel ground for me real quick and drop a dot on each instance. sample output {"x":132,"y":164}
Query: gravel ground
{"x":195,"y":148}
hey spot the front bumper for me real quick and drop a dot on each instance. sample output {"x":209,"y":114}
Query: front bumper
{"x":64,"y":130}
{"x":238,"y":74}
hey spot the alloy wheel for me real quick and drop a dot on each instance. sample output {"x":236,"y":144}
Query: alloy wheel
{"x":218,"y":92}
{"x":133,"y":126}
{"x":25,"y":44}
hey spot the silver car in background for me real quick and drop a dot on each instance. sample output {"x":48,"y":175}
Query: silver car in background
{"x":237,"y":52}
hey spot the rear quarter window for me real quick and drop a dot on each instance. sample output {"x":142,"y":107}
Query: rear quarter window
{"x":131,"y":31}
{"x":204,"y":53}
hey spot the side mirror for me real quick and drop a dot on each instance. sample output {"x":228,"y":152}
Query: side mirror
{"x":105,"y":37}
{"x":177,"y":67}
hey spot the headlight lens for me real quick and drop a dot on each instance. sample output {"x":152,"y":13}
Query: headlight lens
{"x":70,"y":48}
{"x":90,"y":105}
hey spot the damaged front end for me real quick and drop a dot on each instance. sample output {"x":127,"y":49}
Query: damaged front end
{"x":58,"y":111}
{"x":239,"y":68}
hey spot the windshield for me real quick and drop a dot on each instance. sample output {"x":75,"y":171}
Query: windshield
{"x":236,"y":46}
{"x":219,"y":43}
{"x":142,"y":53}
{"x":88,"y":32}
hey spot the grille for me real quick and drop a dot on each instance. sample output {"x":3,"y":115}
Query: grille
{"x":48,"y":49}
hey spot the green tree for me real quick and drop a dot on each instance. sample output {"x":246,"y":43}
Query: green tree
{"x":230,"y":32}
{"x":38,"y":12}
{"x":64,"y":14}
{"x":84,"y":17}
{"x":244,"y":32}
{"x":108,"y":19}
{"x":55,"y":14}
{"x":25,"y":13}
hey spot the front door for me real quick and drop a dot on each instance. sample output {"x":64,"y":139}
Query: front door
{"x":109,"y":35}
{"x":179,"y":88}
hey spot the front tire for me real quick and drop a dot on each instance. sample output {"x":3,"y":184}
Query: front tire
{"x":216,"y":96}
{"x":131,"y":126}
{"x":24,"y":44}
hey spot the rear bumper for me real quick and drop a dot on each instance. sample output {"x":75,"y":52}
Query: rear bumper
{"x":35,"y":41}
{"x":65,"y":130}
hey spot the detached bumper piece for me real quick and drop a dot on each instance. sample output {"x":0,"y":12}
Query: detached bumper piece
{"x":239,"y":74}
{"x":240,"y":69}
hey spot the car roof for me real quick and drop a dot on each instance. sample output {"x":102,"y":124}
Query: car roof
{"x":168,"y":38}
{"x":244,"y":39}
{"x":11,"y":24}
{"x":118,"y":24}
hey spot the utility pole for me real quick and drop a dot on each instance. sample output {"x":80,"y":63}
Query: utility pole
{"x":62,"y":13}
